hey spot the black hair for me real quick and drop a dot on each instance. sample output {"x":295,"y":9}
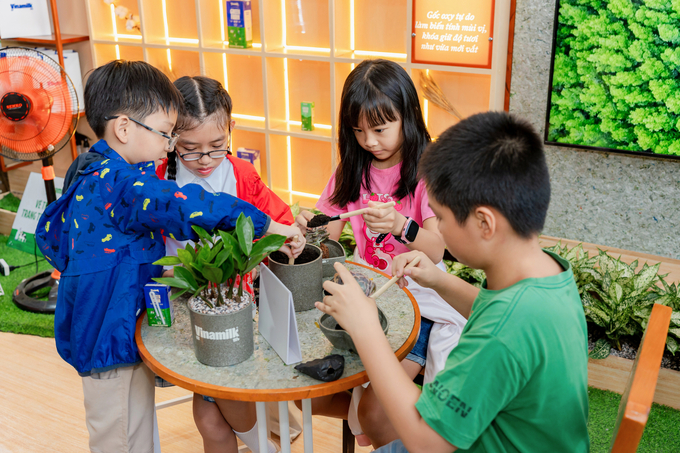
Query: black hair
{"x":378,"y":91}
{"x":133,"y":88}
{"x":204,"y":99}
{"x":490,"y":159}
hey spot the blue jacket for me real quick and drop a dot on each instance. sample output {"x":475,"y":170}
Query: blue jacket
{"x":103,"y":235}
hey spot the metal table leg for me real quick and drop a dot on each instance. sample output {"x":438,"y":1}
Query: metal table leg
{"x":261,"y":412}
{"x":284,"y":427}
{"x":307,"y":425}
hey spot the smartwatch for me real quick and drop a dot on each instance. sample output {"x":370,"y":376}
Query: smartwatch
{"x":409,"y":233}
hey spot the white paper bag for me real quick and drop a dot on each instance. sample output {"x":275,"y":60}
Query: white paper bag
{"x":19,"y":18}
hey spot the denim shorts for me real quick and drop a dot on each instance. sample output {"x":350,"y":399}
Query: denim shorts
{"x":419,"y":352}
{"x":209,"y":399}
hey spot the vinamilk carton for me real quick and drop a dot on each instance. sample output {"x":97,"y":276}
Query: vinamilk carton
{"x":307,"y":114}
{"x":158,"y":307}
{"x":240,"y":24}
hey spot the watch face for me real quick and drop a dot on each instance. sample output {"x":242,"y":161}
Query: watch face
{"x":412,"y":231}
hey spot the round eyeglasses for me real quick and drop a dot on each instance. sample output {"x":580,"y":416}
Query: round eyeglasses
{"x":172,"y":138}
{"x":190,"y":157}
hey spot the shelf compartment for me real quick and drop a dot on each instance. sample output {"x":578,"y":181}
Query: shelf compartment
{"x":290,"y":82}
{"x":213,"y":18}
{"x":251,"y":140}
{"x":359,"y":36}
{"x":174,"y":63}
{"x":106,"y":26}
{"x":291,"y":159}
{"x":103,"y":53}
{"x":469,"y":94}
{"x":170,"y":22}
{"x":298,"y":27}
{"x":241,"y":75}
{"x":51,"y":39}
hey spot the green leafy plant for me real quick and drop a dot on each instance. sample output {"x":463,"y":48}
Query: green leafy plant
{"x":616,"y":292}
{"x":668,"y":295}
{"x":218,"y":260}
{"x":582,"y":265}
{"x":615,"y":75}
{"x":347,"y":240}
{"x":475,"y":277}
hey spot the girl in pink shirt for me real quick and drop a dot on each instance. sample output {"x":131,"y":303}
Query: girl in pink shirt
{"x":382,"y":136}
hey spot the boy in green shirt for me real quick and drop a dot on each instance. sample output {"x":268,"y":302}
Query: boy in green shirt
{"x":517,"y":381}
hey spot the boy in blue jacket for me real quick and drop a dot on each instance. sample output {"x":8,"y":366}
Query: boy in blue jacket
{"x":104,"y":234}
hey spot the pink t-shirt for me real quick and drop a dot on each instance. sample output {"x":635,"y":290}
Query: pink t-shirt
{"x":384,"y":183}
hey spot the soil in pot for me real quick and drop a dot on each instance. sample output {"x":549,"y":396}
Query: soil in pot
{"x":307,"y":256}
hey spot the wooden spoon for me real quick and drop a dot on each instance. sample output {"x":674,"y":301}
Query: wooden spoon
{"x":384,"y":288}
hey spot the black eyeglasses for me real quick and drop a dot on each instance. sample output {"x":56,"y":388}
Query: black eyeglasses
{"x":191,"y":157}
{"x":172,"y":138}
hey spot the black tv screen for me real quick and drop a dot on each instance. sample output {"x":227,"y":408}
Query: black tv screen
{"x":615,"y":81}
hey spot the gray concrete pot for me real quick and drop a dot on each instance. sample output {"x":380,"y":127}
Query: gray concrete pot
{"x":303,"y":280}
{"x":225,"y":339}
{"x":339,"y":338}
{"x":336,"y":254}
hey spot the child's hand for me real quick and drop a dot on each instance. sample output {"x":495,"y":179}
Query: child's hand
{"x":348,"y":304}
{"x":425,"y":273}
{"x":302,"y":219}
{"x":384,"y":220}
{"x":292,"y":248}
{"x":169,"y":273}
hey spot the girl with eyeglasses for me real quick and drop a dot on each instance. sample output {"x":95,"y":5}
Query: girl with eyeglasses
{"x":202,"y":156}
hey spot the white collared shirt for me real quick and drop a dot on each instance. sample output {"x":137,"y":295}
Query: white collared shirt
{"x":222,"y":179}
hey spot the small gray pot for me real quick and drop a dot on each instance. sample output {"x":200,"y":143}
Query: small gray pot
{"x":222,"y":340}
{"x":303,"y":280}
{"x":336,"y":254}
{"x":340,"y":339}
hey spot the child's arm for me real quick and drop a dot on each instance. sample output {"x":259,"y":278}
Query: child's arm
{"x":389,"y":220}
{"x":458,"y":293}
{"x":398,"y":395}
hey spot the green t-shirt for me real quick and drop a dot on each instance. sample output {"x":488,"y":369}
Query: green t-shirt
{"x":518,"y":379}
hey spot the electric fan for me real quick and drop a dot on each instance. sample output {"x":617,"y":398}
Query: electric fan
{"x":38,"y":117}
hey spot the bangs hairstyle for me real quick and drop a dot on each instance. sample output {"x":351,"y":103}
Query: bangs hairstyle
{"x":378,"y":91}
{"x":205,"y":99}
{"x":490,"y":159}
{"x":132,"y":88}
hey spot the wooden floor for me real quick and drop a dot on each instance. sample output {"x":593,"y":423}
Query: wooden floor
{"x":41,"y":406}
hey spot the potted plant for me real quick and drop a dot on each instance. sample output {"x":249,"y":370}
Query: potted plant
{"x":303,"y":277}
{"x":220,"y":311}
{"x":331,"y":251}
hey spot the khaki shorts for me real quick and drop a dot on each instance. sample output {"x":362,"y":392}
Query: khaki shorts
{"x":119,"y":410}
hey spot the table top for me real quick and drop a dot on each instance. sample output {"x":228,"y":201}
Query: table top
{"x":169,"y":352}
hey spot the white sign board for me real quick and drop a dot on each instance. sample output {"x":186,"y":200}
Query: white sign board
{"x":21,"y":18}
{"x":33,"y":203}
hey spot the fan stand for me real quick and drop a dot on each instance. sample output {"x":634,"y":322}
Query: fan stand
{"x":21,"y":295}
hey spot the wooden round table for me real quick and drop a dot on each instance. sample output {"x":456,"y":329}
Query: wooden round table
{"x":169,"y":352}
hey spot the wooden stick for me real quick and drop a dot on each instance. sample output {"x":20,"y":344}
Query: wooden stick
{"x":291,"y":260}
{"x":363,"y":210}
{"x":384,"y":288}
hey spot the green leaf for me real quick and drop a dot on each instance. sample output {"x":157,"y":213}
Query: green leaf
{"x":671,"y":345}
{"x":176,"y":294}
{"x":245,"y":232}
{"x":600,"y":350}
{"x":203,"y":254}
{"x":229,"y":240}
{"x":222,"y":256}
{"x":183,"y":274}
{"x":204,"y":235}
{"x":217,"y":248}
{"x":213,"y":274}
{"x":191,"y":250}
{"x":185,"y":257}
{"x":173,"y":282}
{"x":268,"y":244}
{"x":227,"y":271}
{"x":168,"y":261}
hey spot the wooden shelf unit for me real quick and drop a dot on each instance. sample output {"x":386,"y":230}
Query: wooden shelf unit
{"x":302,"y":51}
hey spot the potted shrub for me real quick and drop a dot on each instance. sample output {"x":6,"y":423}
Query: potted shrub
{"x":212,"y":272}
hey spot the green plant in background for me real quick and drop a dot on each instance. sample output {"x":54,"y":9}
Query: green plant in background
{"x":615,"y":75}
{"x":668,"y":295}
{"x":616,"y":291}
{"x":582,"y":265}
{"x":203,"y":269}
{"x":10,"y":203}
{"x":475,"y":277}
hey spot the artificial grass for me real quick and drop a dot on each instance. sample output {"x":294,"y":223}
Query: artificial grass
{"x":12,"y":318}
{"x":661,"y":434}
{"x":10,"y":203}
